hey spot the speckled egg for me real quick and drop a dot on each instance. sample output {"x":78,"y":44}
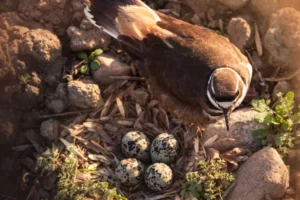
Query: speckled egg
{"x":164,"y":148}
{"x":158,"y":176}
{"x":135,"y":144}
{"x":130,"y":171}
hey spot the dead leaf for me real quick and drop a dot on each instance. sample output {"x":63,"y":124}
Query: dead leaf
{"x":106,"y":106}
{"x":258,"y":43}
{"x":75,"y":130}
{"x":213,"y":153}
{"x":210,"y":141}
{"x":100,"y":158}
{"x":138,"y":109}
{"x":104,"y":135}
{"x":125,"y":122}
{"x":121,"y":107}
{"x":73,"y":150}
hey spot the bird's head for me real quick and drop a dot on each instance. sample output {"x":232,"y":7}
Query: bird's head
{"x":226,"y":91}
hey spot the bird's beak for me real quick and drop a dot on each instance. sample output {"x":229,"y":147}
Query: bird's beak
{"x":226,"y":115}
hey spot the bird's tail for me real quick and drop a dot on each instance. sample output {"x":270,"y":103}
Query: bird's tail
{"x":104,"y":13}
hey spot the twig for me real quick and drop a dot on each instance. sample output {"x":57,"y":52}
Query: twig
{"x":76,"y":66}
{"x":286,"y":78}
{"x":79,"y":64}
{"x":262,"y":81}
{"x":68,"y":113}
{"x":130,"y":78}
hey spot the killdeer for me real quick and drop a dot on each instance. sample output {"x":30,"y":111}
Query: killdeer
{"x":194,"y":65}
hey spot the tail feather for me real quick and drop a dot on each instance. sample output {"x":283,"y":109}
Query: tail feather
{"x":103,"y":13}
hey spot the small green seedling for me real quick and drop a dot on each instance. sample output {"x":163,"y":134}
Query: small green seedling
{"x":69,"y":185}
{"x":281,"y":121}
{"x":209,"y":182}
{"x":87,"y":61}
{"x":24,"y":79}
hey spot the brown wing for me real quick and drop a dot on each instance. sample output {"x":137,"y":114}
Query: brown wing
{"x":184,"y":70}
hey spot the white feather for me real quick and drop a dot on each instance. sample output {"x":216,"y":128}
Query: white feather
{"x":248,"y":67}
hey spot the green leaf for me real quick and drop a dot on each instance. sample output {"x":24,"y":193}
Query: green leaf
{"x":280,"y":139}
{"x":98,"y":52}
{"x":264,"y":143}
{"x":84,"y":69}
{"x":269,"y":119}
{"x":260,"y":117}
{"x":290,"y":96}
{"x":95,"y":65}
{"x":260,"y":133}
{"x":82,"y":55}
{"x":92,"y":56}
{"x":261,"y":105}
{"x":296,"y":118}
{"x":286,"y":125}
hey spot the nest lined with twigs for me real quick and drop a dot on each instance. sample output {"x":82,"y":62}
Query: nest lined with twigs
{"x":97,"y":136}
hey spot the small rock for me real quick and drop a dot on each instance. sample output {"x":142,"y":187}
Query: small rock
{"x":110,"y":66}
{"x":198,"y":6}
{"x":57,"y":105}
{"x":84,"y":93}
{"x":35,"y":79}
{"x":282,"y":39}
{"x":196,"y":19}
{"x":242,"y":123}
{"x":86,"y":24}
{"x":50,"y":129}
{"x":234,"y":4}
{"x":213,"y":24}
{"x":239,"y":32}
{"x":87,"y":40}
{"x":264,"y":173}
{"x":77,"y":5}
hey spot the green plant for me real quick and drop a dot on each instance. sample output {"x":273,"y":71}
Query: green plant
{"x":87,"y":61}
{"x":209,"y":182}
{"x":69,"y":185}
{"x":24,"y":79}
{"x":281,"y":121}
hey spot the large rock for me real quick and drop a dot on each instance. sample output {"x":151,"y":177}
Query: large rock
{"x":54,"y":15}
{"x":264,"y":173}
{"x":242,"y":123}
{"x":84,"y":94}
{"x":23,"y":50}
{"x":265,"y":7}
{"x":282,"y":39}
